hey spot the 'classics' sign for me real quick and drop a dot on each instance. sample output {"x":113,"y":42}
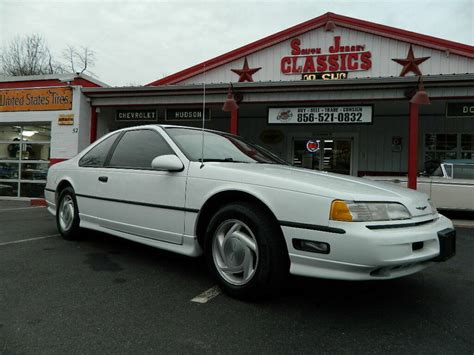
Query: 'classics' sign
{"x":36,"y":99}
{"x":320,"y":115}
{"x":338,"y":58}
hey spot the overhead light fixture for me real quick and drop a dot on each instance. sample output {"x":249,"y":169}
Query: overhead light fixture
{"x":28,"y":133}
{"x":230,"y":104}
{"x":330,"y":26}
{"x":420,"y":97}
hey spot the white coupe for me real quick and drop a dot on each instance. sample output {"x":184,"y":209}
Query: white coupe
{"x":254,"y":217}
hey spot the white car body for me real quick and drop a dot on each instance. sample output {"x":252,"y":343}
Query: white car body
{"x":445,"y":190}
{"x":162,"y":209}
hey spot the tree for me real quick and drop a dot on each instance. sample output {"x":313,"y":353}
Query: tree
{"x":79,"y":60}
{"x":30,"y":55}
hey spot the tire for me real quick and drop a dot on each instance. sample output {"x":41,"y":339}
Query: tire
{"x":67,"y":215}
{"x":246,"y":252}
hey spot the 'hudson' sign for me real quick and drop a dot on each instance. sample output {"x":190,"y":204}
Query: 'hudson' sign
{"x":337,"y":58}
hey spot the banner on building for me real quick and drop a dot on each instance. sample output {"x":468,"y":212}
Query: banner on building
{"x":320,"y":115}
{"x":186,"y":114}
{"x":136,"y":115}
{"x":48,"y":99}
{"x":459,"y":109}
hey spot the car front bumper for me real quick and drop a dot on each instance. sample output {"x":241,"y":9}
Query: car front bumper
{"x":370,"y":251}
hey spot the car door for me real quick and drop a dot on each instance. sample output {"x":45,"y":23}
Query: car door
{"x":137,"y":199}
{"x":456,"y":189}
{"x":86,"y":178}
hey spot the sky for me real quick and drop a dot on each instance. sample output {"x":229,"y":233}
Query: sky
{"x":137,"y":42}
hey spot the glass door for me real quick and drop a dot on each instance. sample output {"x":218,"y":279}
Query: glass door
{"x":24,"y":159}
{"x":328,"y":154}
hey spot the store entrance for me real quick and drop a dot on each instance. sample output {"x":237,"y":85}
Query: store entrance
{"x":329,"y":154}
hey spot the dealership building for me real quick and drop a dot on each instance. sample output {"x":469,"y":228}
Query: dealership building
{"x":334,"y":93}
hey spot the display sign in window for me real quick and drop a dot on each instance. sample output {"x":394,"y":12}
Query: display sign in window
{"x":320,"y":115}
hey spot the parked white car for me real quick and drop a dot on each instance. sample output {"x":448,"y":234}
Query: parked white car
{"x":254,"y":217}
{"x":450,"y":186}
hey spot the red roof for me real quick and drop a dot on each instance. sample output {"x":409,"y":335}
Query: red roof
{"x":48,"y":80}
{"x":341,"y":21}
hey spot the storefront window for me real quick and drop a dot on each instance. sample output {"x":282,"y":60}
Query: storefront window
{"x":467,"y":146}
{"x":24,"y":159}
{"x":446,"y":146}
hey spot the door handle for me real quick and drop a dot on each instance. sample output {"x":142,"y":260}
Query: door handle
{"x":103,"y":178}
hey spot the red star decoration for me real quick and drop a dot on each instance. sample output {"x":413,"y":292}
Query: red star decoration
{"x":410,"y":64}
{"x":245,"y":74}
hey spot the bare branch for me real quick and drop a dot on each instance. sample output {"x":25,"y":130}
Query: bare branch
{"x":30,"y":55}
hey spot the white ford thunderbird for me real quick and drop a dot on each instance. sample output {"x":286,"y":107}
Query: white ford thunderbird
{"x":254,"y":217}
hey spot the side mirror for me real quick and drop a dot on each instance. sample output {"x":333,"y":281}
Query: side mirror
{"x":168,"y":162}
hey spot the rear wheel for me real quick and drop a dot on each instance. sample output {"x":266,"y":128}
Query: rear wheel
{"x":245,"y":251}
{"x":67,"y":214}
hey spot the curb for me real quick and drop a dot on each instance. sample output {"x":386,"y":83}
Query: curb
{"x":37,"y":202}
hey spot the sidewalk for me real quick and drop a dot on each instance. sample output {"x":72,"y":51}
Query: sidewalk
{"x":7,"y":204}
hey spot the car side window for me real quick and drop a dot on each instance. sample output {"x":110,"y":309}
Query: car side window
{"x":95,"y":158}
{"x":137,"y":149}
{"x":463,"y":171}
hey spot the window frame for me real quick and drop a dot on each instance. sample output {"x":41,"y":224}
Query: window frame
{"x":118,"y":134}
{"x":117,"y":142}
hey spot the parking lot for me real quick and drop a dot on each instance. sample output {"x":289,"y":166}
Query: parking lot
{"x":107,"y":295}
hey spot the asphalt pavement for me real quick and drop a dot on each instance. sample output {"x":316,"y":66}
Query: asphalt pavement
{"x":108,"y":295}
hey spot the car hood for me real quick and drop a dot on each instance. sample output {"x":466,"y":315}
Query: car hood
{"x":320,"y":183}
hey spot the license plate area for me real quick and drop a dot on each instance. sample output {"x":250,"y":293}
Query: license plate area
{"x":447,"y":244}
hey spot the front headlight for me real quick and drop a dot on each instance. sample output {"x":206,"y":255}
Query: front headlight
{"x":350,"y":211}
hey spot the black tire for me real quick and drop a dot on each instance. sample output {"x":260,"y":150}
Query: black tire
{"x":69,"y":229}
{"x":265,"y":256}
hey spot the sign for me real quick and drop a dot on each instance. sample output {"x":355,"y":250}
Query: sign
{"x":312,"y":146}
{"x":135,"y":115}
{"x":396,"y":144}
{"x":186,"y":114}
{"x":66,"y":120}
{"x":320,"y":115}
{"x":36,"y":99}
{"x":325,"y":76}
{"x":339,"y":57}
{"x":459,"y":109}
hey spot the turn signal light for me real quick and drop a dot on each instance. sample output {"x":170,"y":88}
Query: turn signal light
{"x":340,"y":211}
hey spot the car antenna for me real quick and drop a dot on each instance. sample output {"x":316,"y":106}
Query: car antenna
{"x":203,"y":117}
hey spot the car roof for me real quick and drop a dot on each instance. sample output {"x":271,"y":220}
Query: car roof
{"x":175,"y":126}
{"x":459,"y":161}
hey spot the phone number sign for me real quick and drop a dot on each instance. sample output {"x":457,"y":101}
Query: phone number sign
{"x":320,"y":115}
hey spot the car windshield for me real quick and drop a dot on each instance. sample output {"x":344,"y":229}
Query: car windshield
{"x":220,"y":147}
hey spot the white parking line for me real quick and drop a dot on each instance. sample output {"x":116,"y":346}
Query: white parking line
{"x":207,"y":295}
{"x":20,"y":208}
{"x":28,"y":240}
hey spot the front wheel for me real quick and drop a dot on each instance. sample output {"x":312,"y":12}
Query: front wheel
{"x":67,"y":214}
{"x":245,"y":251}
